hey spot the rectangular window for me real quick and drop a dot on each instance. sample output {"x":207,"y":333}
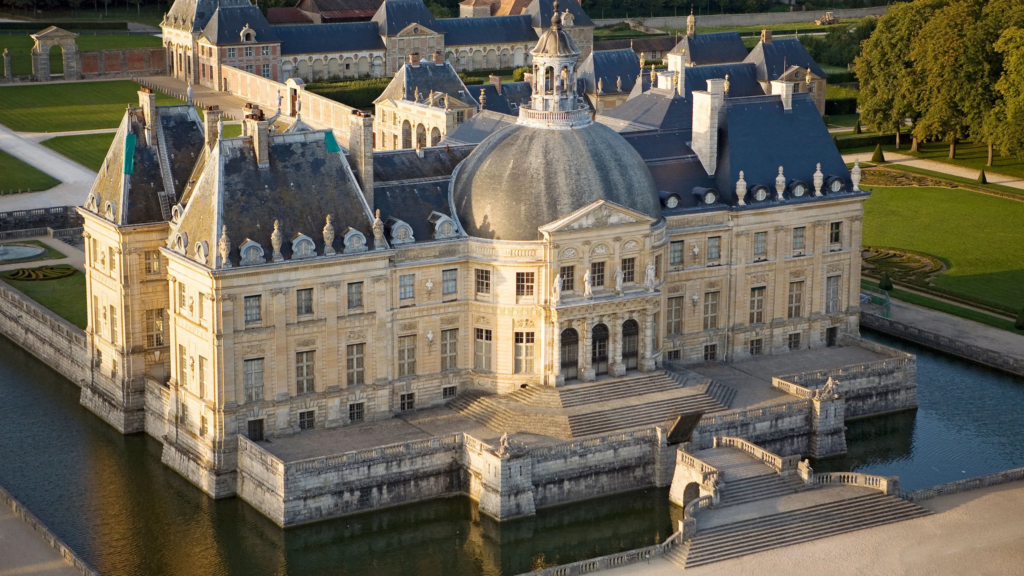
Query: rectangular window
{"x":832,"y":294}
{"x":406,"y":356}
{"x":200,"y":306}
{"x":835,"y":234}
{"x":248,"y":51}
{"x":305,"y":372}
{"x":95,"y":253}
{"x":307,"y":419}
{"x":657,"y":265}
{"x":253,"y":309}
{"x":154,"y":327}
{"x":255,"y":430}
{"x":482,"y":350}
{"x":710,"y":352}
{"x":460,"y":116}
{"x":483,"y":281}
{"x":714,"y":249}
{"x":113,"y":325}
{"x":304,"y":302}
{"x":264,"y":50}
{"x":249,"y":68}
{"x":449,"y":282}
{"x":568,"y":274}
{"x":407,"y":402}
{"x":182,"y":297}
{"x":232,"y":52}
{"x":152,"y":258}
{"x":182,"y":366}
{"x":798,"y":240}
{"x":406,"y":288}
{"x":96,"y":314}
{"x":252,"y":377}
{"x":756,"y":347}
{"x":112,"y":261}
{"x":674,"y":315}
{"x":757,"y":305}
{"x":710,"y":310}
{"x":355,"y":295}
{"x":355,"y":411}
{"x":629,"y":269}
{"x":449,"y":349}
{"x":266,"y":70}
{"x":203,"y":426}
{"x":793,"y":340}
{"x":760,"y":244}
{"x":674,"y":355}
{"x":524,"y":352}
{"x":449,"y":392}
{"x":675,"y":253}
{"x":597,"y":274}
{"x":355,"y":355}
{"x":796,"y":299}
{"x":524,"y":284}
{"x":202,"y":377}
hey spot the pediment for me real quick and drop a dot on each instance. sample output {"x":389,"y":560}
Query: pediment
{"x":416,"y":29}
{"x":598,"y":214}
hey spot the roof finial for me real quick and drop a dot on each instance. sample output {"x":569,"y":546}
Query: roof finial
{"x":726,"y":86}
{"x":556,"y":18}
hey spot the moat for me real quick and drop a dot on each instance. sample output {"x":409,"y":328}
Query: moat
{"x":110,"y":498}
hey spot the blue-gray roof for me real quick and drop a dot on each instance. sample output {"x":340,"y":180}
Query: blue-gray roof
{"x":772,"y":59}
{"x":225,"y":27}
{"x":716,"y":48}
{"x":396,"y":15}
{"x":489,"y":30}
{"x":512,"y":96}
{"x":541,"y":12}
{"x":742,"y":79}
{"x":480,"y":126}
{"x":610,"y":66}
{"x":327,"y":38}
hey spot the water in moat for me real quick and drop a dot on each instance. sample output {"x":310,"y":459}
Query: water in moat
{"x":114,"y":503}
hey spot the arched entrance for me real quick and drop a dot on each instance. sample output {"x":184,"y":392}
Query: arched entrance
{"x":56,"y":61}
{"x":66,"y":62}
{"x":569,"y":353}
{"x":630,"y":344}
{"x":421,"y":136}
{"x":406,"y":135}
{"x":599,"y":350}
{"x":435,"y":136}
{"x":690,"y":493}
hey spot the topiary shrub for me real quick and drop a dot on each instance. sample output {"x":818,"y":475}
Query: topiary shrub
{"x":878,"y":156}
{"x":885,"y":283}
{"x":856,"y":127}
{"x":981,"y":178}
{"x":1019,"y":324}
{"x":517,"y":74}
{"x":40,"y":274}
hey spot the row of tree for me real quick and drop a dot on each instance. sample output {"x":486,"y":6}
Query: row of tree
{"x":953,"y":68}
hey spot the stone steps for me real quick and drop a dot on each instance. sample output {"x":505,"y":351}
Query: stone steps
{"x":756,"y":488}
{"x":723,"y":394}
{"x":795,"y":526}
{"x":677,"y":555}
{"x":484,"y":409}
{"x":593,"y":392}
{"x":637,"y":415}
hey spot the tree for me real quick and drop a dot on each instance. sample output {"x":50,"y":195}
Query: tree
{"x":884,"y":282}
{"x":981,"y":178}
{"x":856,"y":129}
{"x":878,"y":156}
{"x":1008,"y":115}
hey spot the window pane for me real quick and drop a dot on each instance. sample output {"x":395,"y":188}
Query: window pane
{"x":406,"y":356}
{"x":798,"y":239}
{"x":482,"y":350}
{"x":674,"y":316}
{"x":449,"y":281}
{"x":355,"y":295}
{"x":449,"y":349}
{"x":355,"y":364}
{"x":629,"y":269}
{"x":675,"y":253}
{"x":760,"y":247}
{"x":304,"y":301}
{"x":710,"y":310}
{"x":597,"y":274}
{"x":483,"y":281}
{"x":714,"y":247}
{"x":252,"y":376}
{"x":568,"y":274}
{"x":796,"y":296}
{"x":406,"y":289}
{"x":757,"y":305}
{"x":305,"y":369}
{"x":524,"y":283}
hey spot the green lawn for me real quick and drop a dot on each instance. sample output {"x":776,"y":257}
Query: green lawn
{"x":942,"y":306}
{"x":848,"y":120}
{"x":64,"y":297}
{"x":20,"y":47}
{"x":16,"y":175}
{"x":72,"y":106}
{"x":151,"y":15}
{"x":788,"y":28}
{"x":89,"y":150}
{"x":968,"y":154}
{"x":979,"y":235}
{"x":51,"y":253}
{"x":357,"y":93}
{"x":232,"y":131}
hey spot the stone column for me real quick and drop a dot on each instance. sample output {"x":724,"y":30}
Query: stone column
{"x":330,"y":346}
{"x":588,"y":347}
{"x":8,"y":75}
{"x":278,"y":388}
{"x":647,"y":363}
{"x":554,"y":376}
{"x":617,"y":368}
{"x":40,"y":64}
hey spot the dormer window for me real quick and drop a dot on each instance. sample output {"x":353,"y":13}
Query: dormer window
{"x":354,"y":241}
{"x":303,"y":247}
{"x":444,"y":227}
{"x":251,"y":253}
{"x":836,"y":185}
{"x":760,"y":193}
{"x":248,"y":34}
{"x":798,"y":189}
{"x":180,"y":242}
{"x":109,"y":210}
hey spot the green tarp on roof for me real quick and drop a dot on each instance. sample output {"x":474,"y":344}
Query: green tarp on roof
{"x":129,"y":154}
{"x":332,"y":144}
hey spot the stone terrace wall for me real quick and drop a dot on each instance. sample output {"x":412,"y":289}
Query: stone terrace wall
{"x":123,"y":63}
{"x":49,"y":537}
{"x":784,"y":429}
{"x":52,"y":339}
{"x":976,"y":483}
{"x":716,"y":20}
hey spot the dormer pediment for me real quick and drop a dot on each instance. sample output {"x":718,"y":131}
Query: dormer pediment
{"x":416,"y":29}
{"x":597,"y":214}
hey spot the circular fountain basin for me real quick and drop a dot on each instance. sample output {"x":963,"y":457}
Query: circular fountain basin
{"x":19,"y":252}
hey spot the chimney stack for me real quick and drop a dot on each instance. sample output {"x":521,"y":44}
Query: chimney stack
{"x":258,"y":128}
{"x":496,"y":80}
{"x":414,"y":59}
{"x":438,"y":58}
{"x":211,"y":126}
{"x":147,"y":101}
{"x":784,"y":89}
{"x":766,"y":36}
{"x":360,"y":152}
{"x":666,"y":80}
{"x":708,"y":107}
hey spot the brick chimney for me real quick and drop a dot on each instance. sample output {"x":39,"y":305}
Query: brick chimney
{"x":360,"y":152}
{"x":785,"y":90}
{"x":258,"y":128}
{"x":496,"y":80}
{"x":438,"y":58}
{"x":147,"y":101}
{"x":414,"y":59}
{"x":766,"y":36}
{"x":708,"y":107}
{"x":211,"y":127}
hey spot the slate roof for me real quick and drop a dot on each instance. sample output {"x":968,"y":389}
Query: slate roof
{"x":404,"y":165}
{"x":413,"y":203}
{"x":225,"y":27}
{"x":490,"y":30}
{"x":480,"y":126}
{"x":775,"y":57}
{"x":716,"y":48}
{"x":427,"y":76}
{"x":513,"y":95}
{"x":541,"y":12}
{"x":659,"y":146}
{"x":609,"y":66}
{"x":327,"y":38}
{"x":193,"y":15}
{"x":393,"y":16}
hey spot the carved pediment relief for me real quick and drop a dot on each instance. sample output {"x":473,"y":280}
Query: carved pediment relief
{"x":600,"y":214}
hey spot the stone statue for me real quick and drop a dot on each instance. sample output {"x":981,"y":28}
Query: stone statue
{"x":650,"y":279}
{"x":447,"y":103}
{"x":830,"y":391}
{"x":618,"y":280}
{"x":279,"y":98}
{"x":567,"y":18}
{"x":618,"y":83}
{"x":726,"y":85}
{"x":600,"y":85}
{"x":224,"y":247}
{"x":328,"y":237}
{"x":378,"y":232}
{"x":276,"y":240}
{"x":588,"y":289}
{"x":780,"y":184}
{"x":556,"y":290}
{"x":855,"y":175}
{"x":819,"y":179}
{"x":641,"y":56}
{"x":416,"y":94}
{"x":504,"y":446}
{"x":188,"y":93}
{"x":741,"y":190}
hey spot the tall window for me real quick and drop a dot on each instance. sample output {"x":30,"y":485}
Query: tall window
{"x":304,"y":302}
{"x":597,"y":274}
{"x":152,"y":258}
{"x":449,"y":282}
{"x":629,"y":269}
{"x":793,"y":340}
{"x":95,"y":253}
{"x":113,"y":324}
{"x":524,"y":283}
{"x":756,"y":346}
{"x":96,"y":325}
{"x":305,"y":371}
{"x":710,"y":310}
{"x":154,"y":327}
{"x":449,"y":349}
{"x":483,"y":281}
{"x":760,"y":244}
{"x":202,"y":377}
{"x":112,"y":262}
{"x":406,"y":356}
{"x":355,"y":295}
{"x":266,"y":70}
{"x":714,"y":248}
{"x":835,"y":234}
{"x":252,"y":377}
{"x":355,"y":358}
{"x":253,"y":309}
{"x":524,"y":352}
{"x":200,"y":305}
{"x":757,"y":305}
{"x":674,"y":315}
{"x":182,"y":366}
{"x":798,"y":240}
{"x":406,"y":287}
{"x":182,"y":297}
{"x":796,"y":299}
{"x":248,"y":51}
{"x":657,"y":265}
{"x":568,"y":274}
{"x":482,"y":350}
{"x":675,"y":253}
{"x":232,"y":52}
{"x":832,"y":294}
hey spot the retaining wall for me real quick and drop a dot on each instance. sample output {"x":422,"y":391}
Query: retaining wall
{"x":1014,"y":475}
{"x":49,"y":537}
{"x":52,"y":339}
{"x":717,"y":20}
{"x":123,"y":63}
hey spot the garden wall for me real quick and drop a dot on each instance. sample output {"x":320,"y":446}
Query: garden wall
{"x":123,"y":63}
{"x":721,"y":20}
{"x":52,"y":339}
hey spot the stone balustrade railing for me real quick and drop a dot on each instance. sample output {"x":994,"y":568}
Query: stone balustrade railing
{"x":779,"y":463}
{"x":709,"y":474}
{"x":612,"y":560}
{"x":739,"y":415}
{"x":819,"y":377}
{"x":572,"y":117}
{"x":403,"y":450}
{"x":886,"y":485}
{"x":1014,"y":475}
{"x":791,"y":388}
{"x":575,"y":445}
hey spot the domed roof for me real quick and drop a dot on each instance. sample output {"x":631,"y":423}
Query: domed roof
{"x":521,"y":178}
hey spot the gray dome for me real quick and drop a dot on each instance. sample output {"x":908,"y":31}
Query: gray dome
{"x":521,"y":178}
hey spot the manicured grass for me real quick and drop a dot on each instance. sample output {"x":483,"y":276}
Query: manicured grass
{"x":956,"y":181}
{"x":968,"y":155}
{"x":20,"y":47}
{"x":232,"y":131}
{"x":979,"y":235}
{"x":616,"y":31}
{"x":941,"y":306}
{"x":357,"y":93}
{"x":51,"y":253}
{"x":849,"y":120}
{"x":783,"y":28}
{"x":67,"y":107}
{"x":838,"y":92}
{"x":151,"y":15}
{"x":16,"y":175}
{"x":89,"y":150}
{"x":64,"y":297}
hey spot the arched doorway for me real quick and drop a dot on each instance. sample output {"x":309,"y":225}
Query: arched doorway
{"x":421,"y":136}
{"x":406,"y":135}
{"x":599,"y":350}
{"x":56,"y":57}
{"x":435,"y":136}
{"x":569,"y":353}
{"x":630,"y":343}
{"x":690,"y":493}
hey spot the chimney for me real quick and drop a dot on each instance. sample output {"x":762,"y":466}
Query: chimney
{"x":414,"y":59}
{"x":496,"y":80}
{"x":766,"y":36}
{"x":258,"y":128}
{"x":666,"y":80}
{"x":360,"y":152}
{"x":528,"y":77}
{"x":211,"y":127}
{"x":784,"y":89}
{"x":438,"y":58}
{"x":708,"y":107}
{"x":147,"y":101}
